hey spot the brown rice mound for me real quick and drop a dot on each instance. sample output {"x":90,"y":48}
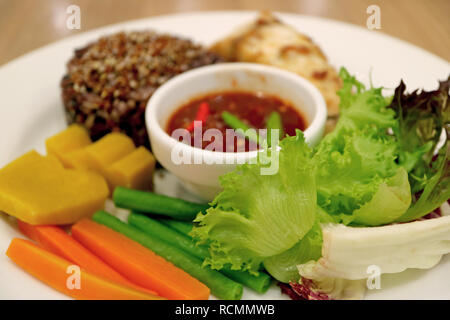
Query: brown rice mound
{"x":109,"y":82}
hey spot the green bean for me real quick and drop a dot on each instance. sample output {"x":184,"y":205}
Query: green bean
{"x":235,"y":123}
{"x":170,"y":236}
{"x":220,"y":285}
{"x":181,"y":226}
{"x":259,"y":283}
{"x":274,"y":123}
{"x":150,"y":202}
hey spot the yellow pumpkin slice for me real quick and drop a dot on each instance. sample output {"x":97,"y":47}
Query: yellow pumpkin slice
{"x":104,"y":152}
{"x":39,"y":190}
{"x":76,"y":159}
{"x":70,"y":139}
{"x":133,"y":171}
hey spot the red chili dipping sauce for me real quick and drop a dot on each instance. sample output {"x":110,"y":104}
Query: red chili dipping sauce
{"x":253,"y":109}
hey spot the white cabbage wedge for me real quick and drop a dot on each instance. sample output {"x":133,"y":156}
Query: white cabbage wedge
{"x":348,"y":252}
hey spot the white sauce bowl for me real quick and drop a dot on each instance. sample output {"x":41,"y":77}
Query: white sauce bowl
{"x":203,"y":179}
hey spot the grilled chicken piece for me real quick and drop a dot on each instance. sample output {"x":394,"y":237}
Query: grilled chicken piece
{"x":270,"y":41}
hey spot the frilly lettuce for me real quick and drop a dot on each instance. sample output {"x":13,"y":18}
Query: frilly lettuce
{"x":356,"y":163}
{"x":350,"y":168}
{"x":391,"y":200}
{"x":283,"y":266}
{"x":362,"y":108}
{"x":260,"y":216}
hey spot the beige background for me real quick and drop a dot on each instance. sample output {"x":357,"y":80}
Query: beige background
{"x":29,"y":24}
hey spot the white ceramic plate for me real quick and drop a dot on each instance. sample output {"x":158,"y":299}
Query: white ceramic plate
{"x":31,"y":110}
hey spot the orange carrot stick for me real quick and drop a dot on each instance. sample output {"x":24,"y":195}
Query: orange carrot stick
{"x":59,"y":242}
{"x":56,"y":272}
{"x":138,"y":263}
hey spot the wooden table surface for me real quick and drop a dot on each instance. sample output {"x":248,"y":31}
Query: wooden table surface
{"x":29,"y":24}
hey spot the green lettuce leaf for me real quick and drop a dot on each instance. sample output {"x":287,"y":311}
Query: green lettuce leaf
{"x":435,"y":193}
{"x":360,"y":107}
{"x":259,"y":216}
{"x":351,"y":167}
{"x":283,"y":266}
{"x":391,"y":200}
{"x":355,"y":162}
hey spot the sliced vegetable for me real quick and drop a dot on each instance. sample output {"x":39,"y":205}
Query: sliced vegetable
{"x":137,"y":263}
{"x":202,"y":115}
{"x":56,"y":272}
{"x":234,"y":122}
{"x":134,"y":171}
{"x":220,"y":285}
{"x":109,"y":149}
{"x":73,"y":138}
{"x":237,"y":124}
{"x":150,"y":202}
{"x":258,"y":283}
{"x":76,"y":159}
{"x":39,"y":190}
{"x":274,"y":122}
{"x":59,"y":242}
